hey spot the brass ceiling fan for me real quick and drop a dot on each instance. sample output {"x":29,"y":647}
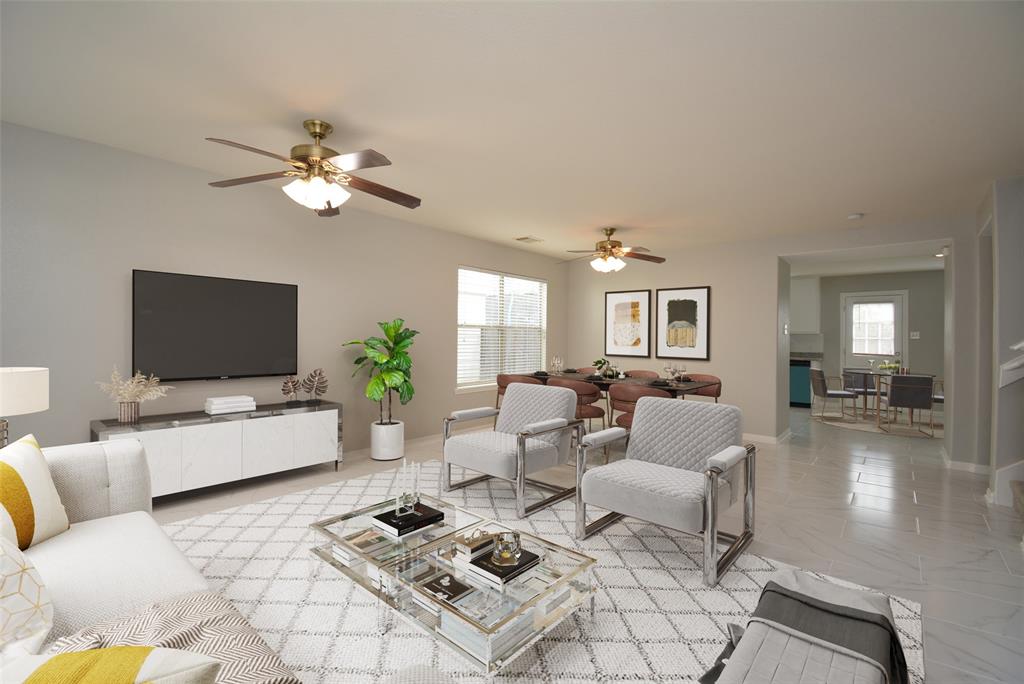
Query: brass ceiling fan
{"x":322,"y":174}
{"x":608,"y":254}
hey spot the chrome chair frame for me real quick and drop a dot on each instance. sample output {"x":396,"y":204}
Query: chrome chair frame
{"x":520,"y":482}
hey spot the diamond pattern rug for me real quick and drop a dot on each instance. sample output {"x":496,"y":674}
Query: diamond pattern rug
{"x":655,"y":621}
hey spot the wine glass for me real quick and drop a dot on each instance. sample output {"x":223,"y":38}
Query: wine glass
{"x":556,"y":363}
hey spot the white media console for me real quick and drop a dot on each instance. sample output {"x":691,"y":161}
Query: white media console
{"x":192,"y":450}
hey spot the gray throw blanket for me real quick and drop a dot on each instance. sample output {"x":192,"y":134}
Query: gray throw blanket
{"x":849,"y":622}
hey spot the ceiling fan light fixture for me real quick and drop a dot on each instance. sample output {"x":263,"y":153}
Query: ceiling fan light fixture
{"x":607,"y":264}
{"x":316,"y":193}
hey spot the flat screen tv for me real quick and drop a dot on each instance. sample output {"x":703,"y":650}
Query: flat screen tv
{"x":187,"y":327}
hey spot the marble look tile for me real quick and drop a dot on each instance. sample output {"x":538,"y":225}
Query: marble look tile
{"x":995,"y":657}
{"x":974,"y":579}
{"x":961,"y":554}
{"x":971,"y":611}
{"x":940,"y":673}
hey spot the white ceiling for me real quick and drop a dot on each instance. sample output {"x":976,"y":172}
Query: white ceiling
{"x":685,"y":123}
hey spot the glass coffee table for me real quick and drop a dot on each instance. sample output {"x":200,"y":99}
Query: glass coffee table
{"x":418,"y":578}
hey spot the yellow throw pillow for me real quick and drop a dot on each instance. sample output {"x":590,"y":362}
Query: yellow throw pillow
{"x":26,"y":613}
{"x":31,"y":511}
{"x":114,"y":665}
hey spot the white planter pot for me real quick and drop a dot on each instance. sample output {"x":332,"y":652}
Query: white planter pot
{"x":387,"y":442}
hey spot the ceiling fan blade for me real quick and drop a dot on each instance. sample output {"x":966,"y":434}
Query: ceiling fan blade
{"x":250,"y":179}
{"x":635,"y":249}
{"x":382,"y":191}
{"x":580,"y":251}
{"x":645,"y":257}
{"x":272,"y":155}
{"x":364,"y":159}
{"x":569,"y":261}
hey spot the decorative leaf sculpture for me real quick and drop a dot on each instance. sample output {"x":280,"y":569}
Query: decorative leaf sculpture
{"x":290,"y":387}
{"x":315,"y":384}
{"x":138,"y":388}
{"x":389,"y":364}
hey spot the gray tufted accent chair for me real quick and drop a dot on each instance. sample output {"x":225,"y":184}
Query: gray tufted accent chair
{"x":533,"y":432}
{"x":680,"y":457}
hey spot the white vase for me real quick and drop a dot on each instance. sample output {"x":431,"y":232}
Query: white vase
{"x":387,"y":442}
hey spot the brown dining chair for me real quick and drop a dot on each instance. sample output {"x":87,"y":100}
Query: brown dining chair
{"x":624,"y":397}
{"x":819,"y":386}
{"x":587,"y":396}
{"x":646,"y":374}
{"x":586,"y":370}
{"x":505,"y":379}
{"x":910,"y":392}
{"x":711,"y":390}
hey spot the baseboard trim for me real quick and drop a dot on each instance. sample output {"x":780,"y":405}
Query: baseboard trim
{"x":765,"y":439}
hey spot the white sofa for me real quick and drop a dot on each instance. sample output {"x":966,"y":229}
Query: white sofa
{"x":115,"y":560}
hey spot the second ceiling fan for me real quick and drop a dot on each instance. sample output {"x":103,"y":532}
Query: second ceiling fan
{"x":322,"y":174}
{"x":608,"y":254}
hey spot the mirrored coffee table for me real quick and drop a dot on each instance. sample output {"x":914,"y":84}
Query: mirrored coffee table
{"x":418,"y":578}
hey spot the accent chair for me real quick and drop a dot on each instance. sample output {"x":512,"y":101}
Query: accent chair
{"x":681,"y":456}
{"x":533,"y":432}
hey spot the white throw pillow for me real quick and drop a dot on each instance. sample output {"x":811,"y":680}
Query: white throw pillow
{"x":114,"y":665}
{"x":26,"y":613}
{"x":31,"y":509}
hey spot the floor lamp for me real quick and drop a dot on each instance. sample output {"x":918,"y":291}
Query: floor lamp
{"x":22,"y":390}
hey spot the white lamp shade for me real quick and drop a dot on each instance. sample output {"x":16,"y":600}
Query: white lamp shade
{"x":24,"y":390}
{"x":316,"y":193}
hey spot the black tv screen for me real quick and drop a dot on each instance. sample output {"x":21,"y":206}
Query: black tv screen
{"x":187,"y":327}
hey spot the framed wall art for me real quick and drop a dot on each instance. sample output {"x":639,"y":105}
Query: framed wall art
{"x":627,"y":323}
{"x":683,"y":323}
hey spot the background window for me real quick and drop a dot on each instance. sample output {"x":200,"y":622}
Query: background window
{"x":502,"y":326}
{"x":874,"y":328}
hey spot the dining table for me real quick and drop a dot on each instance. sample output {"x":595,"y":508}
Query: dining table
{"x":879,"y":376}
{"x":673,"y":387}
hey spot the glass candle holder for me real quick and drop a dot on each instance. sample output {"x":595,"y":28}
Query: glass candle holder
{"x":507,"y":548}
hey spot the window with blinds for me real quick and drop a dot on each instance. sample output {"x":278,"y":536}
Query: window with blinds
{"x":502,"y":326}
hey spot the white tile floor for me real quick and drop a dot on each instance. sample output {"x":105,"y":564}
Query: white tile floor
{"x":880,"y":510}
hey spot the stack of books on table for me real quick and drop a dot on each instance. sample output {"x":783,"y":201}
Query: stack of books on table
{"x":445,"y":586}
{"x":236,"y":404}
{"x":401,"y":524}
{"x":484,"y":568}
{"x":366,"y":542}
{"x":488,"y":608}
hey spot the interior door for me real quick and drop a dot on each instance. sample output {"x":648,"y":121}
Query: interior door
{"x":874,"y":328}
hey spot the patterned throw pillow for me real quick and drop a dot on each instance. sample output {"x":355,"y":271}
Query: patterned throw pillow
{"x":31,"y":510}
{"x":26,"y":613}
{"x":114,"y":665}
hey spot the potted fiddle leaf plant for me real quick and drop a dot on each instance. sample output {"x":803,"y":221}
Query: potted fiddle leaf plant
{"x":387,"y":361}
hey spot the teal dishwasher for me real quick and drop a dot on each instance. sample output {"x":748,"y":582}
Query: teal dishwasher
{"x":800,"y":383}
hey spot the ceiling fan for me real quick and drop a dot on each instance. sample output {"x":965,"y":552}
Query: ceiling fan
{"x":322,"y":174}
{"x":608,"y":254}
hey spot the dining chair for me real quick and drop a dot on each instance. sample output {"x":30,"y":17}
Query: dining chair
{"x":586,"y":370}
{"x":624,"y":397}
{"x":646,"y":374}
{"x":533,"y":432}
{"x":587,"y":396}
{"x":505,"y":379}
{"x":710,"y":391}
{"x":681,"y":456}
{"x":819,"y":386}
{"x":912,"y":392}
{"x":860,"y":383}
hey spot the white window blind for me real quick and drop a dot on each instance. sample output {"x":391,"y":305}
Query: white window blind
{"x":502,"y":326}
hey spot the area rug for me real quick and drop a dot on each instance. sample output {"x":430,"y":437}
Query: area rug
{"x":899,"y":429}
{"x":655,"y":621}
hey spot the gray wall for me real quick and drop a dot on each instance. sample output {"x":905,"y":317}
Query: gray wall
{"x":78,"y":217}
{"x":1008,"y":313}
{"x":782,"y":349}
{"x":926,"y":313}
